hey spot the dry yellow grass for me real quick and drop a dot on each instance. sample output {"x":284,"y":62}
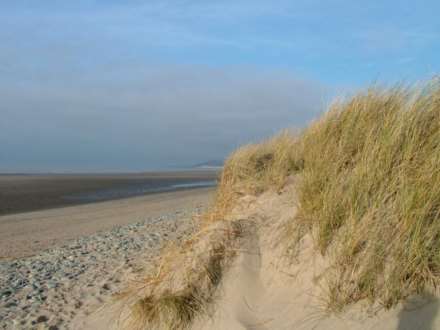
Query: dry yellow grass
{"x":368,"y":193}
{"x":368,"y":187}
{"x":254,"y":168}
{"x":184,"y":282}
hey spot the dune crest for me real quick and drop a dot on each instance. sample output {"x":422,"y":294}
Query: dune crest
{"x":262,"y":290}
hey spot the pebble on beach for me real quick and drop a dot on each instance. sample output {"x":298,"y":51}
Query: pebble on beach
{"x":52,"y":287}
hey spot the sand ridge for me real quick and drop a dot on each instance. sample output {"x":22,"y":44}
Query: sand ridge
{"x":263,"y":291}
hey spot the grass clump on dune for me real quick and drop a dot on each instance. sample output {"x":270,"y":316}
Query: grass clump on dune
{"x":185,"y":282}
{"x":370,"y":193}
{"x":253,"y":168}
{"x":368,"y":189}
{"x":368,"y":186}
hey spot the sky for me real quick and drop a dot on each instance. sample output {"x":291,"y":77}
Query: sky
{"x":140,"y":85}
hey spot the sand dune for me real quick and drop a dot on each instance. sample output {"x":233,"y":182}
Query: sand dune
{"x":261,"y":291}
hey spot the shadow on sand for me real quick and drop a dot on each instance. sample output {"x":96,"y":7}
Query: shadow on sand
{"x":419,"y":313}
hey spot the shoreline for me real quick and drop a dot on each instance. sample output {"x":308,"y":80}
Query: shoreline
{"x":35,"y":192}
{"x":27,"y":234}
{"x":73,"y":201}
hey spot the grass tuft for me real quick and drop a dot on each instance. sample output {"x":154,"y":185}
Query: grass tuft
{"x":186,"y":281}
{"x":368,"y":191}
{"x":367,"y":176}
{"x":252,"y":169}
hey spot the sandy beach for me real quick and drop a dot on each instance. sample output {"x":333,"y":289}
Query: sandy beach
{"x":26,"y":234}
{"x":31,"y":192}
{"x":64,"y":263}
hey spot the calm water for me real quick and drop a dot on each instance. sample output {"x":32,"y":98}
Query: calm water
{"x":139,"y":189}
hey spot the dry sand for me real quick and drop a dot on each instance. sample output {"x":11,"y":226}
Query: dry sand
{"x":73,"y":259}
{"x":261,"y":291}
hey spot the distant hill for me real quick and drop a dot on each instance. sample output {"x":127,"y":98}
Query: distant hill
{"x":210,"y":164}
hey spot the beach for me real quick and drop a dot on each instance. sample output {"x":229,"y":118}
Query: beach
{"x":63,"y":263}
{"x":30,"y":192}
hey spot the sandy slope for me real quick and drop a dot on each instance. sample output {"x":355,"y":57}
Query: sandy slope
{"x":261,"y":291}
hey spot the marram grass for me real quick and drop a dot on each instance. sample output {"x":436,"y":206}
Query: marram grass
{"x":368,"y":189}
{"x":184,"y":285}
{"x":367,"y":176}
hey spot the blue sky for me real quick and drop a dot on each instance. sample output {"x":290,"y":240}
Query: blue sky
{"x":112,"y":85}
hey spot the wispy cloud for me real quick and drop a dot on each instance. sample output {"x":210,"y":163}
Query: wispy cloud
{"x":386,"y":38}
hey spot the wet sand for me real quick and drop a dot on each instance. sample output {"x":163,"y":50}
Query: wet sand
{"x":24,"y":193}
{"x":27,"y":234}
{"x":62,"y":263}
